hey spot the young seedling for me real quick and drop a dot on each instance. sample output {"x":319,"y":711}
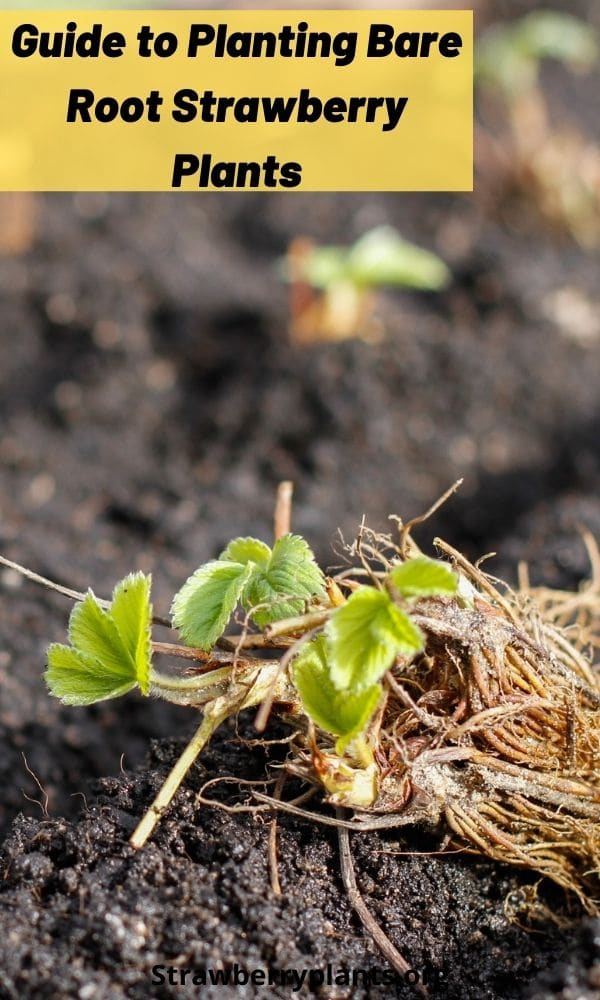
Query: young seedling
{"x":555,"y":166}
{"x":332,"y":288}
{"x":418,"y":692}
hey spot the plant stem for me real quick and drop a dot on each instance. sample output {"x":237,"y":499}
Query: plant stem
{"x":211,"y":721}
{"x":183,"y":652}
{"x":362,"y":751}
{"x":75,"y":595}
{"x":236,"y":642}
{"x":301,"y":623}
{"x":163,"y":684}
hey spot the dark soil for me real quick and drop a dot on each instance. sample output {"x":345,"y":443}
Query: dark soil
{"x":150,"y":401}
{"x":80,"y":906}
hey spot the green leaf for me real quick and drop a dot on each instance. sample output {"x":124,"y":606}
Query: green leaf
{"x":110,"y":651}
{"x":205,"y":603}
{"x":293,"y":560}
{"x":93,"y":633}
{"x":131,"y":612}
{"x":244,"y":550}
{"x":383,"y":257}
{"x":280,"y":580}
{"x":285,"y":583}
{"x":424,"y":577}
{"x":365,"y":635}
{"x":80,"y":680}
{"x":345,"y":714}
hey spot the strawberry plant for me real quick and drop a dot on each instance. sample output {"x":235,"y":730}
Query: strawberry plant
{"x":418,"y":691}
{"x":334,"y":677}
{"x":332,"y":287}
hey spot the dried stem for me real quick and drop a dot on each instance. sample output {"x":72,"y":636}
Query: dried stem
{"x":273,"y":866}
{"x":283,"y":509}
{"x":387,"y":949}
{"x":74,"y":595}
{"x":405,"y":529}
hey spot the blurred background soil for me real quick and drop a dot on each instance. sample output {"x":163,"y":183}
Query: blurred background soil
{"x":150,"y":402}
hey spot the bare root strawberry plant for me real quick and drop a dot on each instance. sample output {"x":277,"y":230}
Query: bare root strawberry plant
{"x":419,"y":691}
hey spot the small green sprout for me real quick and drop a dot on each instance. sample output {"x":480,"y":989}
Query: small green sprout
{"x":331,"y":285}
{"x":270,"y":584}
{"x":344,"y":713}
{"x":509,"y":56}
{"x":522,"y":150}
{"x":380,"y":258}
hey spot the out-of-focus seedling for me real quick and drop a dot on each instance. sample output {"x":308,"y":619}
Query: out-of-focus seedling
{"x":556,"y":167}
{"x":332,"y":288}
{"x":509,"y":56}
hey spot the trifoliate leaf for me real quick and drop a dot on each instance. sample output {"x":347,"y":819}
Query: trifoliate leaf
{"x":110,"y":651}
{"x":244,"y":550}
{"x":285,"y":583}
{"x":279,"y":580}
{"x":424,"y":577}
{"x":205,"y":603}
{"x":364,"y":636}
{"x":343,"y":713}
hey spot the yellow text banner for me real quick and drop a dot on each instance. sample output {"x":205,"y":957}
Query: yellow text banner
{"x":236,"y":100}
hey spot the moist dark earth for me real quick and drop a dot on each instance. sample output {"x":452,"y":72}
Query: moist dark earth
{"x":151,"y":400}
